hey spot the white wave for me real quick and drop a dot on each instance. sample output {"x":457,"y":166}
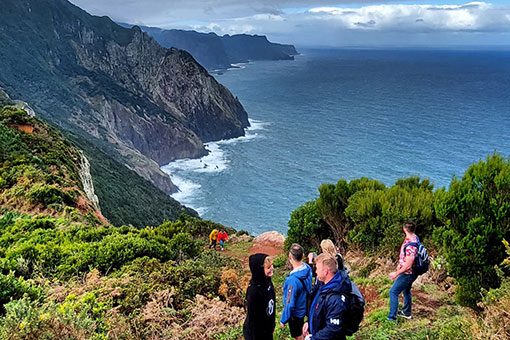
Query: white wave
{"x":257,"y":125}
{"x":187,"y":192}
{"x":237,"y":66}
{"x":214,"y":162}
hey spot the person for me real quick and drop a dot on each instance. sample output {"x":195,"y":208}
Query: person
{"x":222,"y":237}
{"x":296,"y":288}
{"x":329,"y":305}
{"x":311,"y":262}
{"x":212,"y":239}
{"x":404,"y":276}
{"x":260,"y":300}
{"x":327,"y":246}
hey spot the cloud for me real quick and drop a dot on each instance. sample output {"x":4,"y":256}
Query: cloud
{"x":318,"y":21}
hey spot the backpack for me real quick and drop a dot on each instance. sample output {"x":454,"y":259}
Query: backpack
{"x":355,"y":310}
{"x":421,"y":261}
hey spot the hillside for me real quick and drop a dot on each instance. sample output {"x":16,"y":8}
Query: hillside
{"x":220,"y":52}
{"x":65,"y":272}
{"x":140,"y":103}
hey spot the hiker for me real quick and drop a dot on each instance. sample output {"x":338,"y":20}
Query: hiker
{"x":404,"y":276}
{"x":260,"y":300}
{"x":327,"y":246}
{"x":329,"y":306}
{"x":296,"y":289}
{"x":311,"y":262}
{"x":222,"y":237}
{"x":212,"y":239}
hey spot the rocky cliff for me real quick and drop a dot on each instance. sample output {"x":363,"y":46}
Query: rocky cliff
{"x":143,"y":104}
{"x":219,"y":52}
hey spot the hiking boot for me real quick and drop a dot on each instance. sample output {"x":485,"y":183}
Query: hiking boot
{"x":408,"y":317}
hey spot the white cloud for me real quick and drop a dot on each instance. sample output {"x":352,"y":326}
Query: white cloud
{"x":324,"y":24}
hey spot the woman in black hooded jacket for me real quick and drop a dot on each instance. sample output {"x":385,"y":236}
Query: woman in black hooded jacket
{"x":260,"y":300}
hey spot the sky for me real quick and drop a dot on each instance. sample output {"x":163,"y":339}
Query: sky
{"x":326,"y":23}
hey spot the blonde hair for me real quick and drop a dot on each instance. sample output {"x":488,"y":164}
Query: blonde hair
{"x":327,"y":246}
{"x":268,"y":261}
{"x":329,"y":261}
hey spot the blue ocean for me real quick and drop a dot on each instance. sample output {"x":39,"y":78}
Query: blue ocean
{"x":333,"y":114}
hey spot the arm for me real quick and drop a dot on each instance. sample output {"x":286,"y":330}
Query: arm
{"x":255,"y":312}
{"x":336,"y":309}
{"x":407,"y":265}
{"x":289,"y":299}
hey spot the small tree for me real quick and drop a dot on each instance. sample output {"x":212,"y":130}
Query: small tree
{"x":306,"y":227}
{"x":333,"y":201}
{"x":475,"y":214}
{"x":377,"y":215}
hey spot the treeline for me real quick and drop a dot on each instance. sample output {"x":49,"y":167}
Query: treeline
{"x":465,"y":225}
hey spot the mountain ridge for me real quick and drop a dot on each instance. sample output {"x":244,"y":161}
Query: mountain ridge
{"x":142,"y":104}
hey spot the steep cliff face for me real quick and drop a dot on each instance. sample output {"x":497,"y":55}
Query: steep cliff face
{"x":86,"y":180}
{"x":219,"y":52}
{"x":143,"y":104}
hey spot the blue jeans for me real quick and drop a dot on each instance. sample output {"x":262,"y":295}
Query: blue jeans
{"x":403,"y":284}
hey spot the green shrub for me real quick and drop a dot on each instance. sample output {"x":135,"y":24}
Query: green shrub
{"x":47,"y":195}
{"x":13,"y":288}
{"x":377,"y":214}
{"x":475,"y":216}
{"x":307,"y":228}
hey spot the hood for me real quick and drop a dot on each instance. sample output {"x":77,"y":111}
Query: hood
{"x":302,"y":272}
{"x":257,"y":268}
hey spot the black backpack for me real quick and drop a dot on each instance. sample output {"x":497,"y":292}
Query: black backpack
{"x":421,"y":261}
{"x":355,"y":310}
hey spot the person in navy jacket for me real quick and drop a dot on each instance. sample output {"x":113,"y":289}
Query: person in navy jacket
{"x":326,"y":315}
{"x":296,"y":289}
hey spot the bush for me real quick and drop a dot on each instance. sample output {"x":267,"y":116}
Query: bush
{"x":334,"y":199}
{"x":475,"y":216}
{"x":307,"y":228}
{"x":377,"y":214}
{"x":12,"y":288}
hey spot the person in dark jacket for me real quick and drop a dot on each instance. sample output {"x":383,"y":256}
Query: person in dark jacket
{"x":329,"y":305}
{"x":260,"y":300}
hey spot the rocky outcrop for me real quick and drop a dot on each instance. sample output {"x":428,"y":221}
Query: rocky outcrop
{"x":143,"y":104}
{"x":86,"y":180}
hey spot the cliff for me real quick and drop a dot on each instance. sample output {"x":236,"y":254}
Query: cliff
{"x":140,"y":103}
{"x":219,"y":52}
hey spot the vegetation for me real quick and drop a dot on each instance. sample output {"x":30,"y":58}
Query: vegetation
{"x":475,"y":218}
{"x":65,"y":272}
{"x":125,"y":197}
{"x":464,"y":225}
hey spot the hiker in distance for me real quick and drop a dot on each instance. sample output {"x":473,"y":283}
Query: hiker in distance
{"x":296,"y":290}
{"x":329,"y":306}
{"x":260,"y":300}
{"x":212,"y":239}
{"x":404,"y":275}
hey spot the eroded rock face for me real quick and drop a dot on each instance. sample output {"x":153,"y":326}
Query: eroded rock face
{"x":137,"y":101}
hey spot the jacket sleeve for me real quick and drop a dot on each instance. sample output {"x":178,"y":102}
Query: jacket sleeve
{"x":335,"y":312}
{"x":289,"y":299}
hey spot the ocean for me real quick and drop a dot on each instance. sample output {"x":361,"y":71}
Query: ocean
{"x":333,"y":114}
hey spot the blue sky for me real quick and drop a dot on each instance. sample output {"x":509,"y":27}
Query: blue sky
{"x":434,"y":23}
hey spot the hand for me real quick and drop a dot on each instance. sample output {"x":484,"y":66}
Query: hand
{"x":305,"y":328}
{"x":393,"y":275}
{"x":282,"y":325}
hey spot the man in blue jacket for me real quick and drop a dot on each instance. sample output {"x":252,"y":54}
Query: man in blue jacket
{"x":325,"y":321}
{"x":296,"y":289}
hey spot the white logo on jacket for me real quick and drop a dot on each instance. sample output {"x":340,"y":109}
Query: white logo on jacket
{"x":270,"y":307}
{"x":334,"y":321}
